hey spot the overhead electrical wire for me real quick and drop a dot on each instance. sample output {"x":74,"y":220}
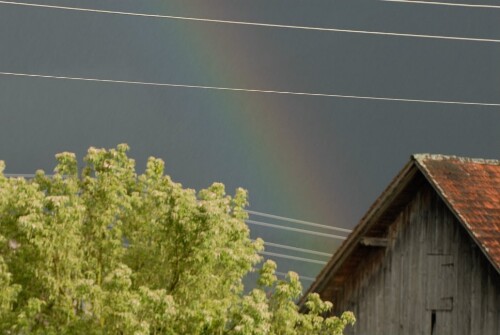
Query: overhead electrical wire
{"x":267,"y":253}
{"x":31,"y":175}
{"x":304,"y":231}
{"x":288,"y":247}
{"x":218,"y":88}
{"x":283,"y":274}
{"x":302,"y":259}
{"x":301,"y":277}
{"x":415,"y":2}
{"x":275,"y":92}
{"x":271,"y":216}
{"x":256,"y":24}
{"x":276,"y":245}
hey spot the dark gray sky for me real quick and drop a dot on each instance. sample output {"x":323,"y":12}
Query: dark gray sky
{"x":318,"y":159}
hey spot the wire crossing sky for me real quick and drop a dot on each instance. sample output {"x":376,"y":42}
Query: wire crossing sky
{"x":311,"y":108}
{"x":298,"y":230}
{"x":415,"y":2}
{"x":325,"y":95}
{"x":307,"y":223}
{"x":255,"y":24}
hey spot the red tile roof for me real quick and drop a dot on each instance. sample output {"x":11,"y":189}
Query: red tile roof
{"x":471,"y":188}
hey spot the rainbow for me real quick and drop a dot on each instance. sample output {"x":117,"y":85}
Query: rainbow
{"x":257,"y":122}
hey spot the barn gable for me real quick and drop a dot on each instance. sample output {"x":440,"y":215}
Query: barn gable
{"x":424,"y":259}
{"x":471,"y":189}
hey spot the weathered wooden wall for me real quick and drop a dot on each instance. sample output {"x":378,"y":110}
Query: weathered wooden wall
{"x":432,"y":279}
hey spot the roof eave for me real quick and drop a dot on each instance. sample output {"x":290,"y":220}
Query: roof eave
{"x":354,"y":238}
{"x":383,"y":202}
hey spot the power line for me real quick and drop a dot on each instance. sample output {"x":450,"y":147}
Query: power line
{"x":257,"y":24}
{"x":300,"y":276}
{"x":265,"y":243}
{"x":302,"y":259}
{"x":288,"y":247}
{"x":264,"y":224}
{"x":415,"y":2}
{"x":298,"y":221}
{"x":17,"y":74}
{"x":276,"y":245}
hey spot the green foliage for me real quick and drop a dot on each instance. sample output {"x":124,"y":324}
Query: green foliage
{"x":107,"y":251}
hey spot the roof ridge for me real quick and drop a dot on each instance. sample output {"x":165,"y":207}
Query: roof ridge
{"x":437,"y":157}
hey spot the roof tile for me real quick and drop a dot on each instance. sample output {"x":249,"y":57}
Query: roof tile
{"x":472,"y":189}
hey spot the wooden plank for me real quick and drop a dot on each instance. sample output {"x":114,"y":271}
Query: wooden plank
{"x":461,"y":308}
{"x":363,"y":312}
{"x":395,"y":284}
{"x":371,"y":289}
{"x":412,"y":274}
{"x":386,"y":298}
{"x":426,"y":246}
{"x":444,"y":324}
{"x":432,"y":300}
{"x":476,"y":322}
{"x":374,"y":242}
{"x":440,"y":288}
{"x":421,"y":313}
{"x":429,"y":260}
{"x":405,"y":276}
{"x":491,"y":298}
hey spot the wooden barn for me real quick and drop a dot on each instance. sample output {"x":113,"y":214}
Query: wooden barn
{"x":425,"y":259}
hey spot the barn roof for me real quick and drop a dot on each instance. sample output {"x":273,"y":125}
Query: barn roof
{"x":469,"y":187}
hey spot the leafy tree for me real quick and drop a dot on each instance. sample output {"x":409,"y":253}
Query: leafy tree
{"x":107,"y":251}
